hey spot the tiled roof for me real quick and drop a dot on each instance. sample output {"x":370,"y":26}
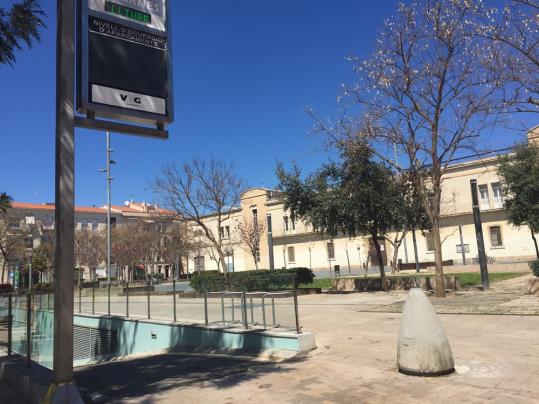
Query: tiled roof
{"x":121,"y":208}
{"x":50,"y":207}
{"x":91,"y":209}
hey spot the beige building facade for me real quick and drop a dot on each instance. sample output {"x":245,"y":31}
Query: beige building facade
{"x":296,"y":245}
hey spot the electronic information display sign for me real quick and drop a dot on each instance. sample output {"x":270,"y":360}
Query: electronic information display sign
{"x":123,"y":60}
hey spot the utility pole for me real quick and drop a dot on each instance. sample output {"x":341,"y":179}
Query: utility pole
{"x":63,"y":389}
{"x":462,"y":251}
{"x":109,"y":180}
{"x":479,"y":236}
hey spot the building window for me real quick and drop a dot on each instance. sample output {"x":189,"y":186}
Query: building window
{"x":293,"y":220}
{"x":496,"y":236}
{"x":255,"y":215}
{"x":331,"y":251}
{"x":285,"y":223}
{"x":483,"y":193}
{"x":291,"y":254}
{"x":28,"y":242}
{"x":430,"y":242}
{"x":224,"y":232}
{"x":15,"y":224}
{"x":497,"y":193}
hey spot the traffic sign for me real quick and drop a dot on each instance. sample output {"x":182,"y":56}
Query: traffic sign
{"x":123,"y":61}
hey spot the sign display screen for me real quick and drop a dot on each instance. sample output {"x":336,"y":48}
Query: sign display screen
{"x":125,"y":60}
{"x":150,"y":13}
{"x":128,"y":12}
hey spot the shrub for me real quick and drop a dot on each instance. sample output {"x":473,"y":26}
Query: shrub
{"x":5,"y":287}
{"x":535,"y":267}
{"x":260,"y":280}
{"x":43,"y":287}
{"x":304,"y":276}
{"x":209,"y":280}
{"x":158,"y":276}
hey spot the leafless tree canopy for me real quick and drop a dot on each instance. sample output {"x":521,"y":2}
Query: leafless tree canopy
{"x":11,"y":240}
{"x":250,"y":231}
{"x":166,"y":240}
{"x":513,"y":29}
{"x":127,"y":244}
{"x":90,"y":249}
{"x":201,"y":188}
{"x":426,"y":92}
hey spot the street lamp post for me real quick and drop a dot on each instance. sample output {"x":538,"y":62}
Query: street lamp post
{"x":109,"y":179}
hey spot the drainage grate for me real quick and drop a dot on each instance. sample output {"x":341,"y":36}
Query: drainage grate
{"x":93,"y":343}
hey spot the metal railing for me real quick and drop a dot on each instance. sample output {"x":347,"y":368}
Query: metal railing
{"x":17,"y":322}
{"x":211,"y":305}
{"x":246,"y":308}
{"x":22,"y":311}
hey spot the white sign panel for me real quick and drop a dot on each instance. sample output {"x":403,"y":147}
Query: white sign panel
{"x":127,"y":99}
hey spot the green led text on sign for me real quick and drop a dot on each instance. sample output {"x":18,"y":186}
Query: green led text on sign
{"x":130,"y":13}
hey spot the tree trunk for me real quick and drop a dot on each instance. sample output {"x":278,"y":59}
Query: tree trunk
{"x":439,"y":272}
{"x":533,"y":238}
{"x":416,"y":255}
{"x":4,"y":270}
{"x":256,"y":262}
{"x":222,"y":262}
{"x":396,"y":246}
{"x":348,"y":259}
{"x":380,"y":261}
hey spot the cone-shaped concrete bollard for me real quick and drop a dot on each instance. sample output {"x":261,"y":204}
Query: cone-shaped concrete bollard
{"x":423,"y":349}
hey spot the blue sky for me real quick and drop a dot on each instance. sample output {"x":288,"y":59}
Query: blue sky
{"x":243,"y":73}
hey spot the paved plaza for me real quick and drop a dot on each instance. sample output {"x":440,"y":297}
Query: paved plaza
{"x":496,"y":358}
{"x":494,"y":337}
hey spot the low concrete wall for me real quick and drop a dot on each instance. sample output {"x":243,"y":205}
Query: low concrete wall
{"x":496,"y":267}
{"x":355,"y":284}
{"x":136,"y":336}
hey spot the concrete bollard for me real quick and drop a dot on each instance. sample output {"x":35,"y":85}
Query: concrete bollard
{"x":423,"y":348}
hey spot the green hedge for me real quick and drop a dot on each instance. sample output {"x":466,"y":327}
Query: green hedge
{"x":535,"y":267}
{"x":260,"y":280}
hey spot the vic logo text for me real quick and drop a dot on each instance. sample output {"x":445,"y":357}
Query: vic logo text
{"x":130,"y":100}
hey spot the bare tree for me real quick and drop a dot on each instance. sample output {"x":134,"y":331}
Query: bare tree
{"x":12,"y":236}
{"x":89,"y":249}
{"x":43,"y":257}
{"x":425,"y":90}
{"x":177,"y":243}
{"x":204,"y":193}
{"x":126,"y":246}
{"x":250,"y":231}
{"x":514,"y":30}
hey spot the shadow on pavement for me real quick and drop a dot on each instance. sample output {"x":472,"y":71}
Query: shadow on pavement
{"x":155,"y":374}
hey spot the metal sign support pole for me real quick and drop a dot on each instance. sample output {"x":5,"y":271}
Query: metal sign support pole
{"x":479,"y":236}
{"x":109,"y":179}
{"x":462,"y":251}
{"x":63,"y":388}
